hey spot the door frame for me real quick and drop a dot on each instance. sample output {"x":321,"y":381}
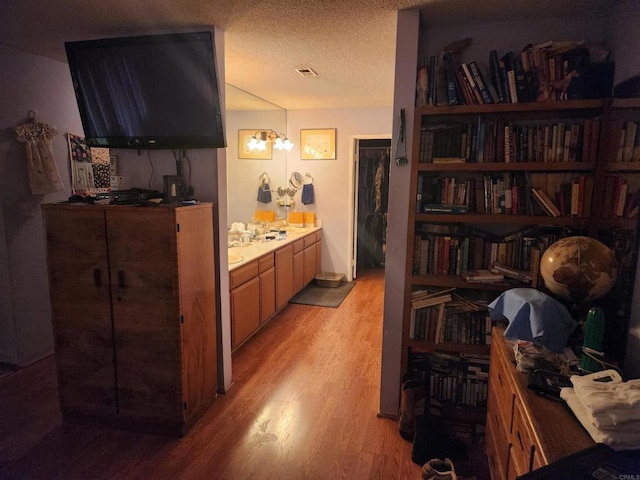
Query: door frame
{"x":355,"y":163}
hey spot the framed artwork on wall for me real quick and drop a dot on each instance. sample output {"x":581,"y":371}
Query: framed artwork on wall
{"x":318,"y":144}
{"x":91,"y":168}
{"x":244,"y":136}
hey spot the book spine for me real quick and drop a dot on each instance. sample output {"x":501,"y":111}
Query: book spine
{"x":477,"y":77}
{"x":452,"y":98}
{"x":466,"y":71}
{"x":495,"y":76}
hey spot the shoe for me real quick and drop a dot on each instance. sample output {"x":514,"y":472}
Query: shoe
{"x":436,"y":469}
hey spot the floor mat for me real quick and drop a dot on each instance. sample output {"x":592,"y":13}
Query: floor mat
{"x":323,"y":296}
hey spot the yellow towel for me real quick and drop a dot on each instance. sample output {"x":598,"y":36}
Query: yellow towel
{"x":309,"y":219}
{"x":295,"y":218}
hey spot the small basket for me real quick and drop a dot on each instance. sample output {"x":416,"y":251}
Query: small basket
{"x":329,"y":279}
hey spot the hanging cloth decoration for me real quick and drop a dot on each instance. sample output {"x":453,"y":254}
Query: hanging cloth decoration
{"x":264,"y":190}
{"x":43,"y":172}
{"x":307,"y":190}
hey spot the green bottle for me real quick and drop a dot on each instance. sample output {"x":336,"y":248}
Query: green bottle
{"x":593,"y":333}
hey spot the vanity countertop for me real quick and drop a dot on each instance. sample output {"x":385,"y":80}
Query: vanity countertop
{"x":256,"y":250}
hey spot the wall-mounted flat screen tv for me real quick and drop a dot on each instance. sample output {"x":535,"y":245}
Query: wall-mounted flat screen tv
{"x":152,"y":91}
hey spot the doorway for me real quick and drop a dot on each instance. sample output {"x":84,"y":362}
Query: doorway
{"x":371,"y":205}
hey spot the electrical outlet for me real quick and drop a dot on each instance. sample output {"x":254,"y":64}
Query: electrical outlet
{"x":26,"y":210}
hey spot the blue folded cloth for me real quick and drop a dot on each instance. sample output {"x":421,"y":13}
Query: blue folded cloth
{"x":307,"y":194}
{"x":264,"y":193}
{"x":534,"y":316}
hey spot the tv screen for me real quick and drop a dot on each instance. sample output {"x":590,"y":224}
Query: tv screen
{"x":153,"y":91}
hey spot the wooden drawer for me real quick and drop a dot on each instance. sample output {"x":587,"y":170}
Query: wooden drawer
{"x":497,"y":449}
{"x":309,"y":240}
{"x":524,"y":448}
{"x":265,"y":263}
{"x":502,"y":391}
{"x":298,"y":245}
{"x":243,"y":274}
{"x":318,"y":235}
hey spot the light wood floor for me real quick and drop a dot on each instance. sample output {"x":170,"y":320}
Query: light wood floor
{"x":303,"y":406}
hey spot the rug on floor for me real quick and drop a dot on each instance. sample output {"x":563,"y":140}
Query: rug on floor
{"x":323,"y":296}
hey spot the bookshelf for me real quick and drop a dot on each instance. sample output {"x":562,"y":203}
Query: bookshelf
{"x":582,"y":178}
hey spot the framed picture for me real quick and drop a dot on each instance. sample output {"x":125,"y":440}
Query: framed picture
{"x":244,"y":136}
{"x":91,"y":168}
{"x":318,"y":144}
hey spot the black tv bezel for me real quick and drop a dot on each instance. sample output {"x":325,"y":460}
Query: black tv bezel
{"x":218,"y":140}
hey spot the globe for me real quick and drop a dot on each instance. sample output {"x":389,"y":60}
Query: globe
{"x":578,"y":268}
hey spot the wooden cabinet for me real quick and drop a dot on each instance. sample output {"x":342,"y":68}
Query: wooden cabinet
{"x":311,"y":257}
{"x":133,"y":309}
{"x":284,"y":275}
{"x":524,"y":430}
{"x":309,"y":263}
{"x":267,"y":287}
{"x":298,"y":266}
{"x":245,"y":302}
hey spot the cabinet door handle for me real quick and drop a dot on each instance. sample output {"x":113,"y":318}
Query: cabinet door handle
{"x":97,"y":277}
{"x":121,"y":278}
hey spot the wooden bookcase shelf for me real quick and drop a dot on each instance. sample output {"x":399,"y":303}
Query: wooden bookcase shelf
{"x":599,"y":221}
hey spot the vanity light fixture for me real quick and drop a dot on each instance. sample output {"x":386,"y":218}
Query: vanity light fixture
{"x":259,"y":141}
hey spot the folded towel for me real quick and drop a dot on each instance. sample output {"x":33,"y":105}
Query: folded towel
{"x":307,"y":194}
{"x":610,"y":400}
{"x":617,"y":439}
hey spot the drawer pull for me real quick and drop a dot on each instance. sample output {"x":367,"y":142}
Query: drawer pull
{"x":520,"y":440}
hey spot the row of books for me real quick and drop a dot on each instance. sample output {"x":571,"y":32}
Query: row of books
{"x":512,"y":193}
{"x":573,"y":199}
{"x":461,"y":379}
{"x":619,"y":200}
{"x":491,"y":141}
{"x":540,"y":72}
{"x":629,"y":141}
{"x":449,"y":322}
{"x":471,"y":392}
{"x":467,"y":251}
{"x":435,"y":192}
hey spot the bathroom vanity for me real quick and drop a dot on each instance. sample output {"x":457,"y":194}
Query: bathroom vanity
{"x":264,"y":276}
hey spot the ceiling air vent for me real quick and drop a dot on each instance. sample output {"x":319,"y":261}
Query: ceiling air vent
{"x":306,"y":72}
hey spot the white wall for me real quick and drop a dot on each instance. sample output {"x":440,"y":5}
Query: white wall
{"x":242,"y":174}
{"x":399,"y":187}
{"x":38,"y":83}
{"x":509,"y":35}
{"x":333,"y":179}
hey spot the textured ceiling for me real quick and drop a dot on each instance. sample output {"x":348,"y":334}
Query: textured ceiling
{"x":349,"y":43}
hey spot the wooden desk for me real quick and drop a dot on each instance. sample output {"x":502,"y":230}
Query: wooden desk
{"x":525,"y":431}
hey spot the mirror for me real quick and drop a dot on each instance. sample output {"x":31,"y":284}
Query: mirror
{"x":245,"y":115}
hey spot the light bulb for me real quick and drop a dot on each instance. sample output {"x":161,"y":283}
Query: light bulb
{"x":279,"y":144}
{"x":287,"y":144}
